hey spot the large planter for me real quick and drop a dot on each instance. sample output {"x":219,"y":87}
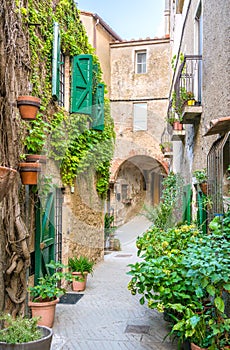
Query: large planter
{"x":45,"y":310}
{"x":29,"y":173}
{"x":44,"y":343}
{"x":79,"y":285}
{"x":196,"y":347}
{"x":7,"y":178}
{"x":28,"y":106}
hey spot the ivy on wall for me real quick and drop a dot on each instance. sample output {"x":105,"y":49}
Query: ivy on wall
{"x":71,"y":143}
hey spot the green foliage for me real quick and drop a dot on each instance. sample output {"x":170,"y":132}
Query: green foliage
{"x":82,"y":264}
{"x":200,"y":175}
{"x":47,"y":288}
{"x":18,"y":330}
{"x":161,"y":215}
{"x":71,"y":143}
{"x":186,"y":274}
{"x":37,"y":134}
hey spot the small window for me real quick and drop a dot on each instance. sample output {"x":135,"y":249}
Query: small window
{"x":141,"y":62}
{"x":139,"y":116}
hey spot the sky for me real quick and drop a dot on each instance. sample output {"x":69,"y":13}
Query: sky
{"x":130,"y":19}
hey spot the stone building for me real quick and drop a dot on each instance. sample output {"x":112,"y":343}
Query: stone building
{"x":199,"y":34}
{"x":137,"y":77}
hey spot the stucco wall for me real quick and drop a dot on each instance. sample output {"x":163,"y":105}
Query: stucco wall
{"x":83,"y":223}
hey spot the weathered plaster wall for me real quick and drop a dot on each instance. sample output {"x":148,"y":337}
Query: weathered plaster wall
{"x":83,"y":222}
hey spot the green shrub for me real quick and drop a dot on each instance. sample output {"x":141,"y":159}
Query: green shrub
{"x":18,"y":330}
{"x":82,"y":264}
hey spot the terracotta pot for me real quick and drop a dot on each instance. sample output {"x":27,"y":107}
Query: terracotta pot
{"x":79,"y":286}
{"x":45,"y":310}
{"x":43,"y":343}
{"x":30,"y":158}
{"x":177,"y":126}
{"x":204,"y":187}
{"x":7,"y":178}
{"x":29,"y":173}
{"x":196,"y":347}
{"x":28,"y":106}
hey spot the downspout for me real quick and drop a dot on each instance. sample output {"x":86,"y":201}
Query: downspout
{"x":178,"y":53}
{"x":95,"y":33}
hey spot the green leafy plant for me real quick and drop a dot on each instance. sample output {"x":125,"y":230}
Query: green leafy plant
{"x":48,"y":288}
{"x":166,"y":145}
{"x":37,"y":135}
{"x":81,"y":264}
{"x":200,"y":175}
{"x":161,"y":214}
{"x":18,"y":330}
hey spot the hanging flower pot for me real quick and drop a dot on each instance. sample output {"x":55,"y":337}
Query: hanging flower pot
{"x":28,"y":106}
{"x":7,"y":177}
{"x":29,"y":173}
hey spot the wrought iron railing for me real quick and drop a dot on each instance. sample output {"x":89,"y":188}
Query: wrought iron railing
{"x":189,"y":79}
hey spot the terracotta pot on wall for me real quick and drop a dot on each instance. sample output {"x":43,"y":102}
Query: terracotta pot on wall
{"x":28,"y":106}
{"x":40,"y":158}
{"x":29,"y":173}
{"x":45,"y":310}
{"x":80,"y":285}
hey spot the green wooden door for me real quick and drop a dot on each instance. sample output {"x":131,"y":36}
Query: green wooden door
{"x":44,"y":236}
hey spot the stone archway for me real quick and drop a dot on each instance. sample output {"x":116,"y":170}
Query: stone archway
{"x":135,"y":181}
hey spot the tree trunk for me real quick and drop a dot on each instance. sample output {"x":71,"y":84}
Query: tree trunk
{"x":14,"y":78}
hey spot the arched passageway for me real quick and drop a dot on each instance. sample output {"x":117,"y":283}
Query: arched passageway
{"x":137,"y":181}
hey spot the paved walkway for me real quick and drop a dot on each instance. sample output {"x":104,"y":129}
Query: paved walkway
{"x":108,"y":317}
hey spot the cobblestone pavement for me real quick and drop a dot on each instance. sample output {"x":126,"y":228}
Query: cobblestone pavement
{"x":108,"y":317}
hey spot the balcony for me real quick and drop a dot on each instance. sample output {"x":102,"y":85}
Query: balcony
{"x":187,"y":95}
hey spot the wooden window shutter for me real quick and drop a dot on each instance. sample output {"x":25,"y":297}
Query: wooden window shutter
{"x":56,"y":61}
{"x":98,"y":108}
{"x":81,"y":89}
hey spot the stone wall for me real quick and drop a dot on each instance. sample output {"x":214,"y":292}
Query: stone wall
{"x":83,"y":221}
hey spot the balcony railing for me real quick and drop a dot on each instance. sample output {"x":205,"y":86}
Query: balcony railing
{"x":188,"y":87}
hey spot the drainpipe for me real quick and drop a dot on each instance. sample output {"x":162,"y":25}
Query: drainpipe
{"x":95,"y":33}
{"x":167,"y":18}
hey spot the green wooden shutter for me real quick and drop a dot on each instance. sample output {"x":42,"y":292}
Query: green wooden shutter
{"x":56,"y":61}
{"x":98,"y":108}
{"x":81,"y":89}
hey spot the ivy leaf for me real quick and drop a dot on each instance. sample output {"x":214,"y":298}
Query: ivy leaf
{"x":211,"y":290}
{"x":219,"y":303}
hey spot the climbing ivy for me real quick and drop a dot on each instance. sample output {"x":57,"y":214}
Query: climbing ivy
{"x":71,"y":143}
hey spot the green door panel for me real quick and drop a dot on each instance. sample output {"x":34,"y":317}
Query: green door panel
{"x":82,"y":82}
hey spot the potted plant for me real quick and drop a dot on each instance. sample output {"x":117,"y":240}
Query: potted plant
{"x":35,"y":140}
{"x":201,"y":179}
{"x":80,"y":267}
{"x":45,"y":295}
{"x":166,"y":147}
{"x":28,"y":106}
{"x":190,"y":98}
{"x":22,"y":333}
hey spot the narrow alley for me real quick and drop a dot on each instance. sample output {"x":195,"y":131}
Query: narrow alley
{"x":108,"y":317}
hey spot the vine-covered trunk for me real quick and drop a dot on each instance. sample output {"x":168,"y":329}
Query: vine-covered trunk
{"x":14,"y":77}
